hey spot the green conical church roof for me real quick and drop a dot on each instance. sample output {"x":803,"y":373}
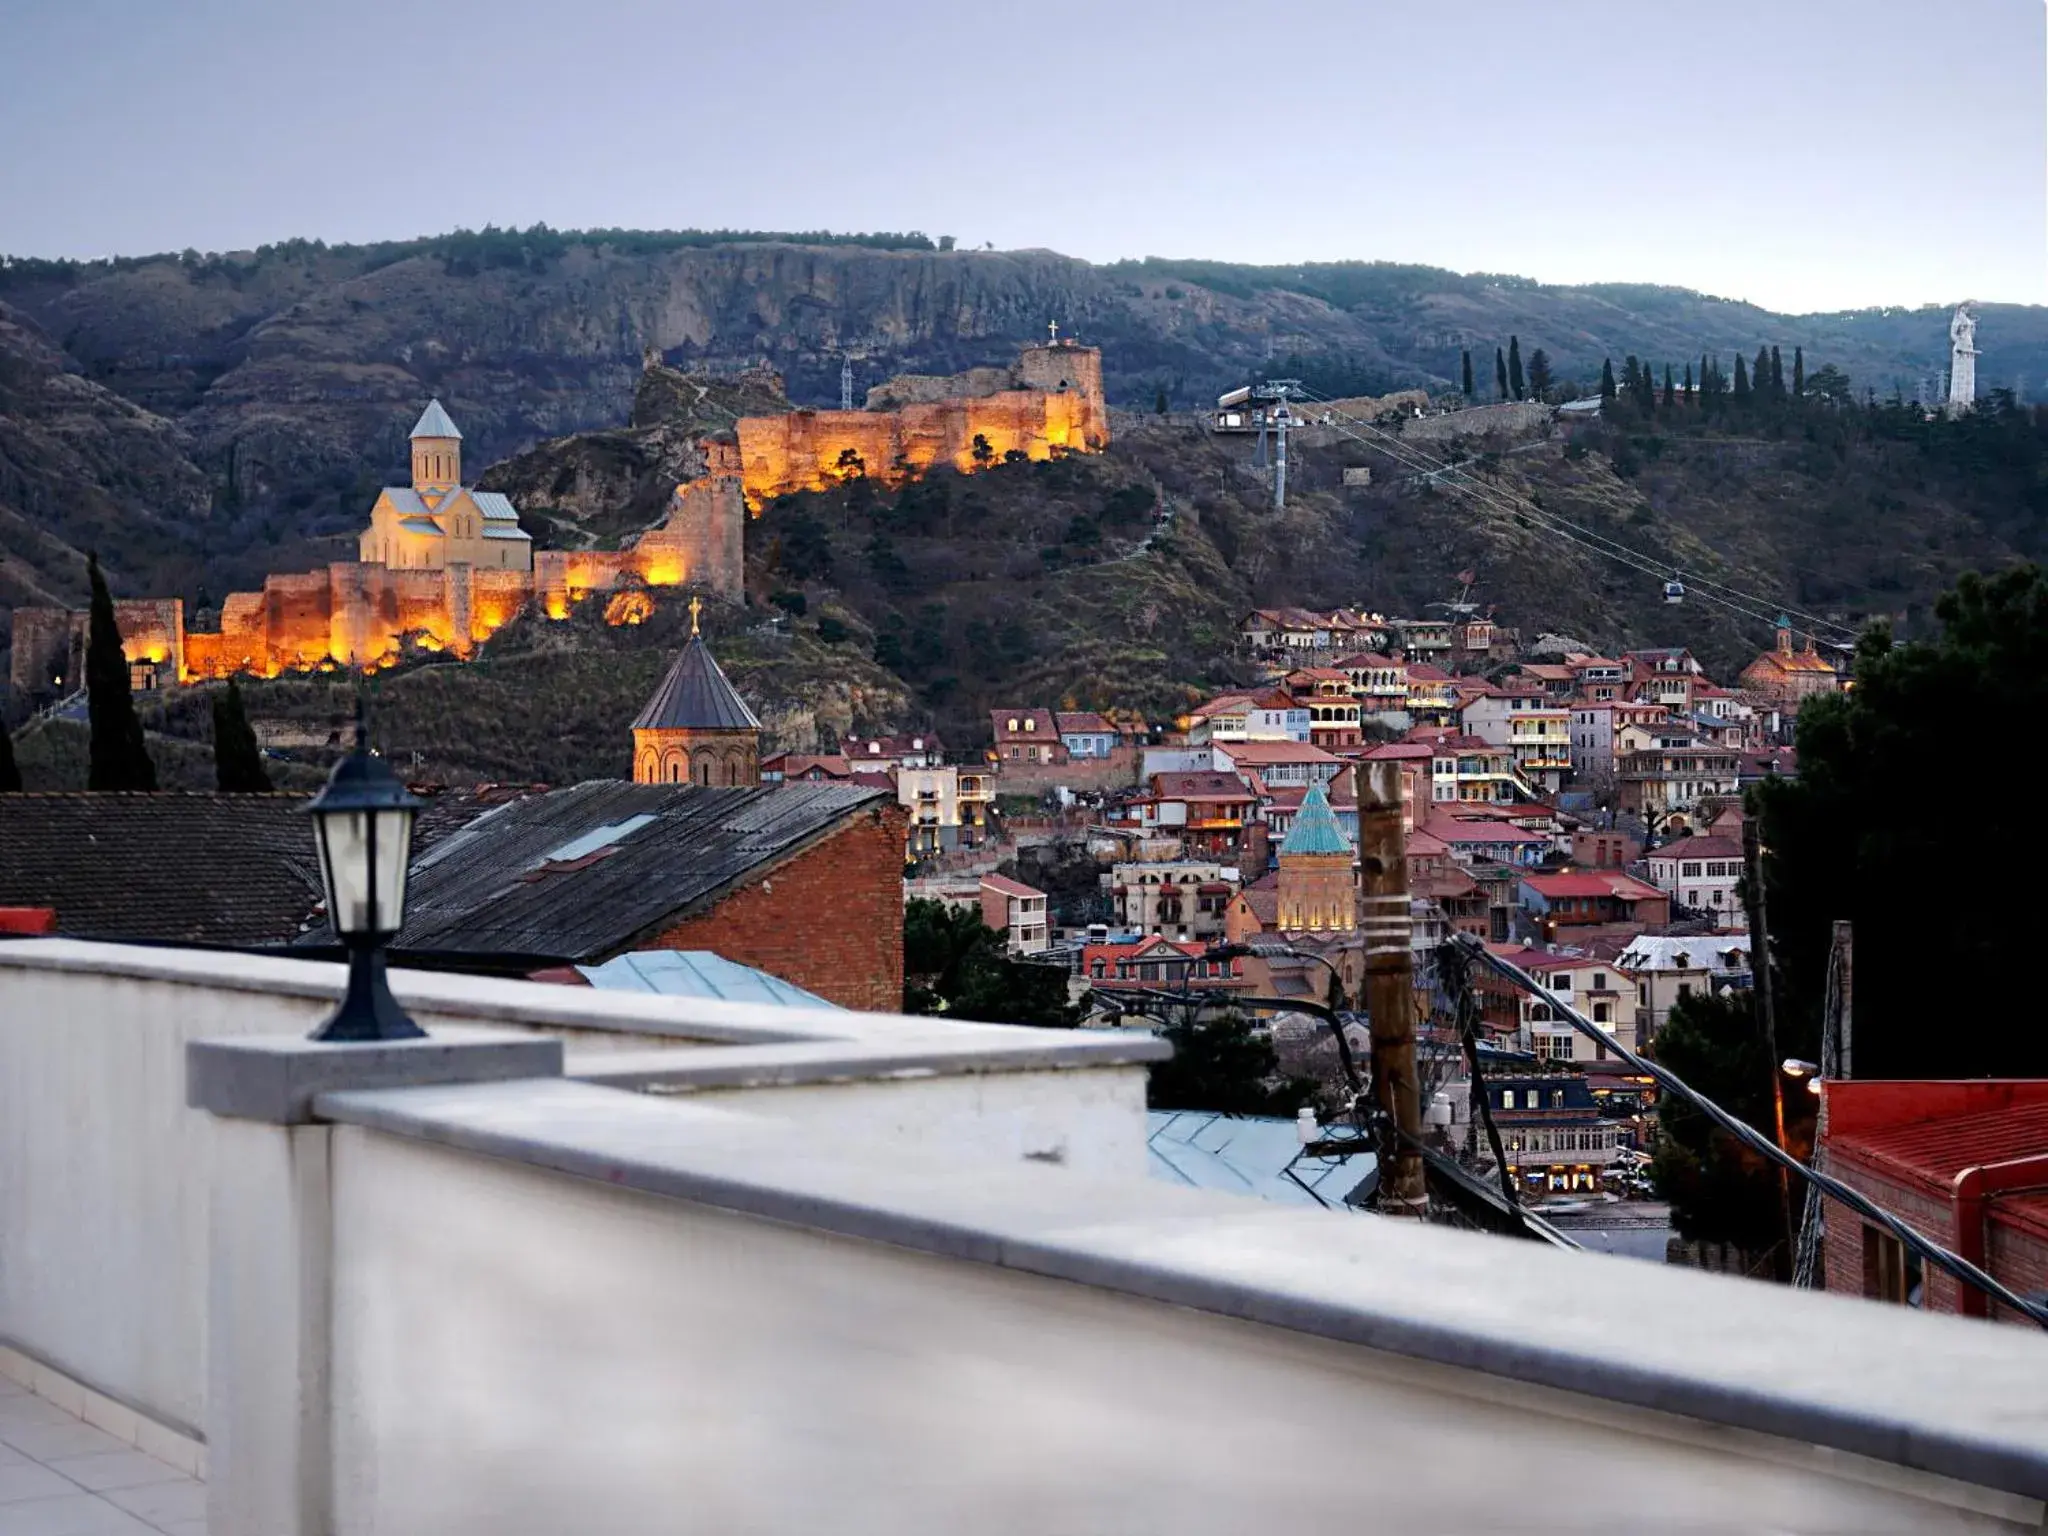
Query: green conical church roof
{"x":1315,"y":828}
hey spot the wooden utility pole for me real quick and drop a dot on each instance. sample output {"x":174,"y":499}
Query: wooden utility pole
{"x":1841,"y":1034}
{"x":1389,"y":985}
{"x":1767,"y":1016}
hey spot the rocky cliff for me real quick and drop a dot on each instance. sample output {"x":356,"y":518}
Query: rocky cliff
{"x":233,"y":415}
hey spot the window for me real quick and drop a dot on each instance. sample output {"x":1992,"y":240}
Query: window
{"x":1599,"y":981}
{"x":1531,"y":1096}
{"x":1603,"y":1013}
{"x":1507,"y":1099}
{"x":1890,"y":1271}
{"x":1030,"y":725}
{"x":1557,"y":1098}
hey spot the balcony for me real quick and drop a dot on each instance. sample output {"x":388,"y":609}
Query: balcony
{"x":608,"y":1263}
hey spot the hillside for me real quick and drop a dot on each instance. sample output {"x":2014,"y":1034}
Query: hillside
{"x":1119,"y":579}
{"x":276,"y":386}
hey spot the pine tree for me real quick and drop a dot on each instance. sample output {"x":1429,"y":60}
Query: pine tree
{"x":1607,"y":378}
{"x":120,"y":759}
{"x":1467,"y":361}
{"x":1777,"y":375}
{"x":10,"y":771}
{"x":1500,"y":368}
{"x":1515,"y":366}
{"x":1741,"y":379}
{"x":1799,"y":373}
{"x":237,"y":761}
{"x":1670,"y":391}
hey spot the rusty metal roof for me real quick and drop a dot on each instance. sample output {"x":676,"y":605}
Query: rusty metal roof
{"x":576,"y":875}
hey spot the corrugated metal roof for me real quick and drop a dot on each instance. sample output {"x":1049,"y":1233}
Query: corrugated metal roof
{"x":435,"y":422}
{"x":419,"y":525}
{"x":492,"y":887}
{"x":495,"y":505}
{"x":695,"y":695}
{"x":491,"y":532}
{"x":697,"y":973}
{"x":1247,"y":1155}
{"x":406,"y":501}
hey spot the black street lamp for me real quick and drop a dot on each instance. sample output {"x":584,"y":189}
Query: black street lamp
{"x":362,"y":825}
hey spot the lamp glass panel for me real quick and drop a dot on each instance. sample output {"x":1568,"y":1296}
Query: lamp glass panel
{"x":363,"y":859}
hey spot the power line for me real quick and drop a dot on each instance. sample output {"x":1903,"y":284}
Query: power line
{"x":1527,"y":513}
{"x":1757,"y":1142}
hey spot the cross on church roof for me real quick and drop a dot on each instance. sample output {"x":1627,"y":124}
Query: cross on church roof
{"x":1054,"y":327}
{"x":696,"y":607}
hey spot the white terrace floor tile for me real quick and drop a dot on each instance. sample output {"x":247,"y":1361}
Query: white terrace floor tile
{"x":61,"y":1477}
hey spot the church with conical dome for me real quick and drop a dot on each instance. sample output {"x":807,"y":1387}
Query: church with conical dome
{"x":696,"y":729}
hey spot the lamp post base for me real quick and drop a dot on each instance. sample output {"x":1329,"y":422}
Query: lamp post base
{"x":368,"y":1011}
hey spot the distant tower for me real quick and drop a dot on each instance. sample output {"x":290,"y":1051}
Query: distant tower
{"x":436,"y":451}
{"x":696,"y":729}
{"x":846,"y":383}
{"x":1962,"y":375}
{"x":1318,"y":893}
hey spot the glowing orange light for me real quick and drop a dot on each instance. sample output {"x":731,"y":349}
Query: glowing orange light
{"x":628,"y":607}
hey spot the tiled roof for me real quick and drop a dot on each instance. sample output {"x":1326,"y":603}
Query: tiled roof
{"x":1201,"y":786}
{"x":1266,"y":753}
{"x":1573,"y":882}
{"x":162,"y":868}
{"x":1042,"y":727}
{"x":576,"y":874}
{"x":1698,"y":847}
{"x":1075,"y":722}
{"x":1003,"y":885}
{"x":1929,"y":1153}
{"x":1315,"y":828}
{"x":695,"y":695}
{"x":435,"y":422}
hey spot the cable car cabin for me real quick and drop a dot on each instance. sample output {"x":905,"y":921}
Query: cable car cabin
{"x":1674,"y":592}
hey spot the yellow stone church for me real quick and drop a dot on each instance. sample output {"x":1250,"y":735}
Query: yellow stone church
{"x":438,"y":521}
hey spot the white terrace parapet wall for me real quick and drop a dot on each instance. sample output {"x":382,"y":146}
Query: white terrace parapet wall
{"x":544,"y":1305}
{"x":105,"y":1172}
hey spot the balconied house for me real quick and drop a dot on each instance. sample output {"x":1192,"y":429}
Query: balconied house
{"x":1181,"y":898}
{"x":1380,"y":684}
{"x":1534,"y":729}
{"x":947,"y":808}
{"x":1208,"y":812}
{"x":1668,"y":769}
{"x":613,"y":1262}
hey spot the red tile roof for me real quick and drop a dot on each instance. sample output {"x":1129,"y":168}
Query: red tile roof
{"x":1927,"y":1154}
{"x":1264,"y":754}
{"x":1574,"y":882}
{"x":1003,"y":885}
{"x":1085,"y":720}
{"x":1698,"y":847}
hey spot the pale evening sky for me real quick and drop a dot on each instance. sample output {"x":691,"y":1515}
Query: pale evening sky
{"x":1805,"y":154}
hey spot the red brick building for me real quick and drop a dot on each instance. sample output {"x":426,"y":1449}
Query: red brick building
{"x":804,"y":881}
{"x":1962,"y":1163}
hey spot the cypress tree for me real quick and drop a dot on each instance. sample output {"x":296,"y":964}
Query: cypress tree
{"x":1760,"y":374}
{"x":1799,"y":373}
{"x":1466,"y":357}
{"x":1500,"y":368}
{"x":1515,"y":366}
{"x":237,"y":761}
{"x":1606,"y":378}
{"x":1688,"y":380}
{"x":1741,"y":379}
{"x":10,"y":771}
{"x":1540,"y":378}
{"x":120,"y":759}
{"x":1777,"y":375}
{"x":1670,"y":390}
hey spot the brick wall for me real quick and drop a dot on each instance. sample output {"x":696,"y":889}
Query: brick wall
{"x":829,"y":920}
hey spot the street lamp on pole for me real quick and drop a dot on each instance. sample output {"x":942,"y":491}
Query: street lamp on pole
{"x":362,"y":827}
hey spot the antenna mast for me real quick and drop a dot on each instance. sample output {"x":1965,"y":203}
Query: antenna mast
{"x":845,"y":382}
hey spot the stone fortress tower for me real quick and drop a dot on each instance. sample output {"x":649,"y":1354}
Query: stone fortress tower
{"x":696,"y":729}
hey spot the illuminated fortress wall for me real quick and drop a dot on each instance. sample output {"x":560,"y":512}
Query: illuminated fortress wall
{"x":1055,"y":404}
